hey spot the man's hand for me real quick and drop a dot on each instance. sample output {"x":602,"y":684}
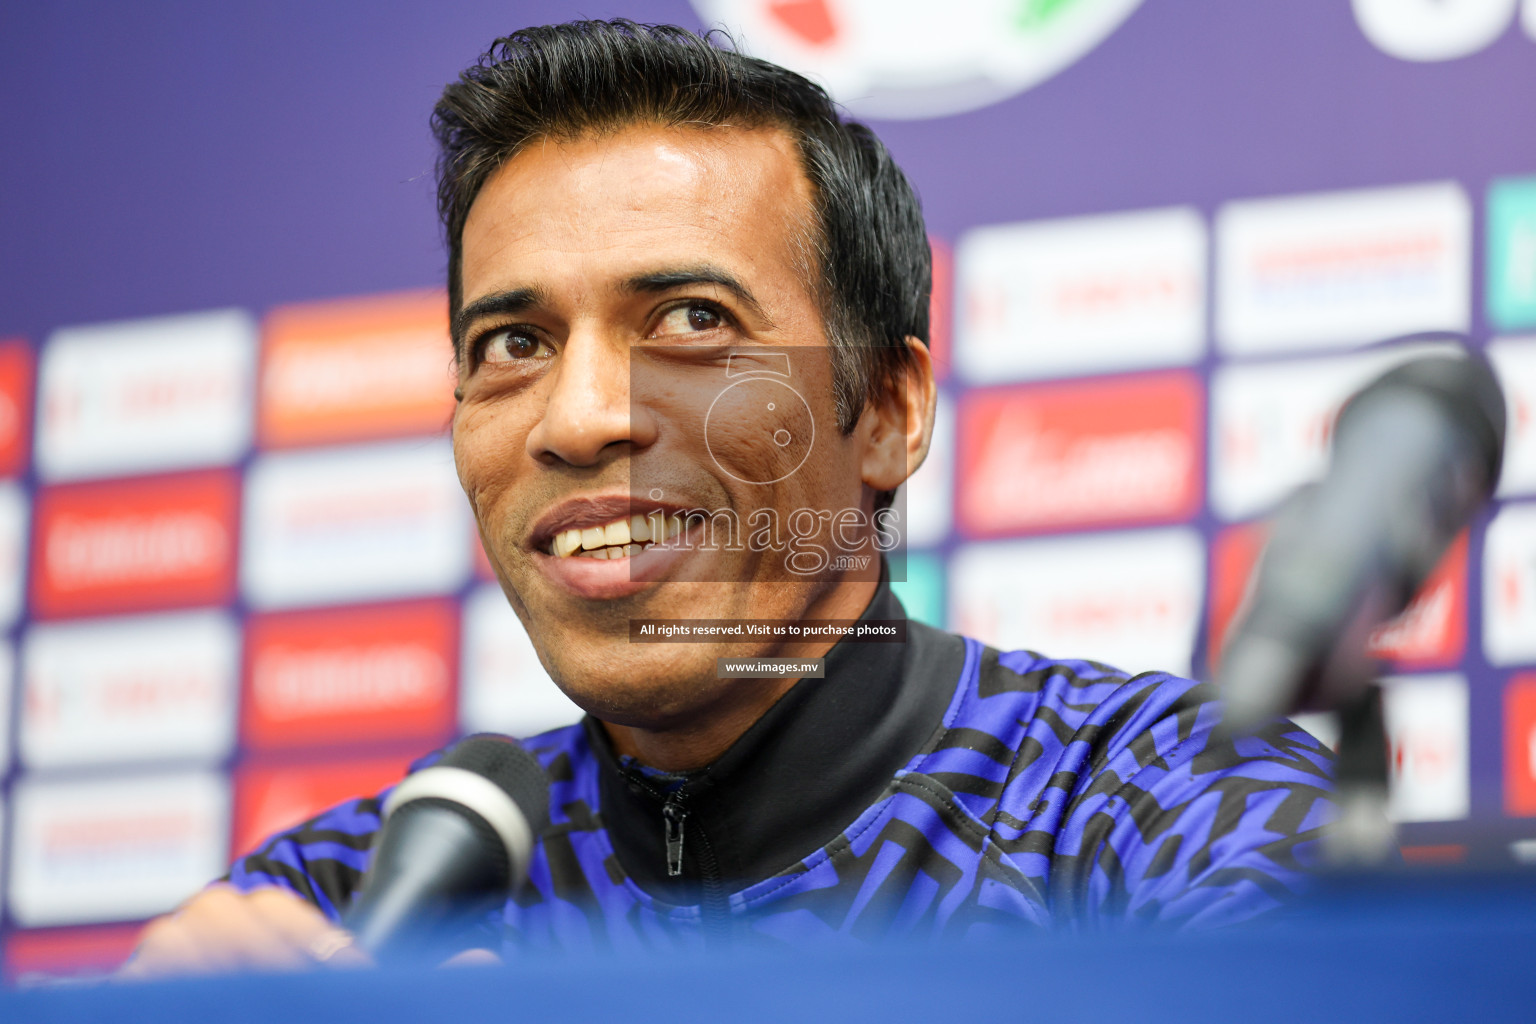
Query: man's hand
{"x":223,"y":929}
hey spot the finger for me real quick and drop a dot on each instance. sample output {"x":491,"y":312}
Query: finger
{"x":235,"y":934}
{"x":304,"y":928}
{"x":164,"y":949}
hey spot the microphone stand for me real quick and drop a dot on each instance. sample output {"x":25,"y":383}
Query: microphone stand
{"x":1363,"y":836}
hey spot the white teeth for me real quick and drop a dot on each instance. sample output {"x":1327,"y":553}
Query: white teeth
{"x":627,"y":551}
{"x":623,"y":538}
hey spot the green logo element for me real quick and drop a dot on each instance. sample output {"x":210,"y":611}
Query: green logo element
{"x":1038,"y":14}
{"x":922,"y":594}
{"x":1512,"y":253}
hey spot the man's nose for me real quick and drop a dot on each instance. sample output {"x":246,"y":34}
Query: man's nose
{"x":589,"y":408}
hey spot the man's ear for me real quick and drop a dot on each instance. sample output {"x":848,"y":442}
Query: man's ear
{"x":899,"y":421}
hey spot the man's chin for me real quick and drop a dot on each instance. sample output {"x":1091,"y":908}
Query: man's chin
{"x":666,"y":705}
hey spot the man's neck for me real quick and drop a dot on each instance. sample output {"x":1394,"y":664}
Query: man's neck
{"x":701,"y":739}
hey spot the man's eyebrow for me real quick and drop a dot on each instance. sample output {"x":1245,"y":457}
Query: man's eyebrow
{"x":507,"y":303}
{"x":682,"y":277}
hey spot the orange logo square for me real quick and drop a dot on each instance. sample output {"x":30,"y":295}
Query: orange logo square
{"x":355,"y":369}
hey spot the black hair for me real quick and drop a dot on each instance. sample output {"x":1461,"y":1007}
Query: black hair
{"x":873,"y":271}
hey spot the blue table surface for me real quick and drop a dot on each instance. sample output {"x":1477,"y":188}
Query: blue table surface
{"x":1443,"y":949}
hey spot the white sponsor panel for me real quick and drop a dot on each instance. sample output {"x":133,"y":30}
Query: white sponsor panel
{"x":115,"y":849}
{"x":1435,"y":30}
{"x":1271,"y":423}
{"x":915,"y":58}
{"x":1426,"y":720}
{"x":1342,"y":269}
{"x":7,"y":680}
{"x":356,"y":523}
{"x":14,"y":514}
{"x":930,"y":494}
{"x":1509,"y":586}
{"x":1514,"y":360}
{"x":1084,"y":295}
{"x":169,"y":393}
{"x":1131,"y":599}
{"x":504,"y":688}
{"x":140,"y":688}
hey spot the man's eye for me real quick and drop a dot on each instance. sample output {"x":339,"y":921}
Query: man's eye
{"x":512,"y":344}
{"x":689,"y":319}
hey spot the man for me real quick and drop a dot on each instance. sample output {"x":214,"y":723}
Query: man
{"x":651,"y":237}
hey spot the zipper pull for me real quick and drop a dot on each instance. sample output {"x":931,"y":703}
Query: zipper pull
{"x":673,"y":813}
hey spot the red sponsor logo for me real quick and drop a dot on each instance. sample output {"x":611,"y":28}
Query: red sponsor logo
{"x":56,"y":952}
{"x":810,"y":20}
{"x":1436,"y":853}
{"x":1520,"y":745}
{"x":1090,"y":453}
{"x":1430,"y":633}
{"x":1306,"y":264}
{"x":15,"y":405}
{"x":271,"y":798}
{"x":135,"y":544}
{"x":318,"y":678}
{"x":141,"y":835}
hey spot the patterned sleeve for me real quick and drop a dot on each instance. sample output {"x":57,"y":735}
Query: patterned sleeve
{"x":321,"y":860}
{"x":1152,"y":818}
{"x":324,"y":858}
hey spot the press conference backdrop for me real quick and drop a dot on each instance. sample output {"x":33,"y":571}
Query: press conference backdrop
{"x":238,"y":581}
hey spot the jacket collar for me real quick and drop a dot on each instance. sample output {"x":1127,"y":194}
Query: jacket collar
{"x":795,"y":779}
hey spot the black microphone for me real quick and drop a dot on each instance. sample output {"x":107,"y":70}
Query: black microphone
{"x":1415,"y":454}
{"x":455,"y":841}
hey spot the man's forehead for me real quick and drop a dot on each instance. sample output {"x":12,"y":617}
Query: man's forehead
{"x":642,"y":176}
{"x":604,"y":209}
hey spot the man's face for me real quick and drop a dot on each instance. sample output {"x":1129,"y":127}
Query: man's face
{"x":614,"y":288}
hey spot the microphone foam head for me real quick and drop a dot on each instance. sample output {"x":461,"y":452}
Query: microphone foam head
{"x":1465,"y":386}
{"x":510,"y":767}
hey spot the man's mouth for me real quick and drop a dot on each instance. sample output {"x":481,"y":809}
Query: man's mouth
{"x":621,"y":538}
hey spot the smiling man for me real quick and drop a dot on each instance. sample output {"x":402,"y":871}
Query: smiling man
{"x":689,"y":304}
{"x":615,"y":279}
